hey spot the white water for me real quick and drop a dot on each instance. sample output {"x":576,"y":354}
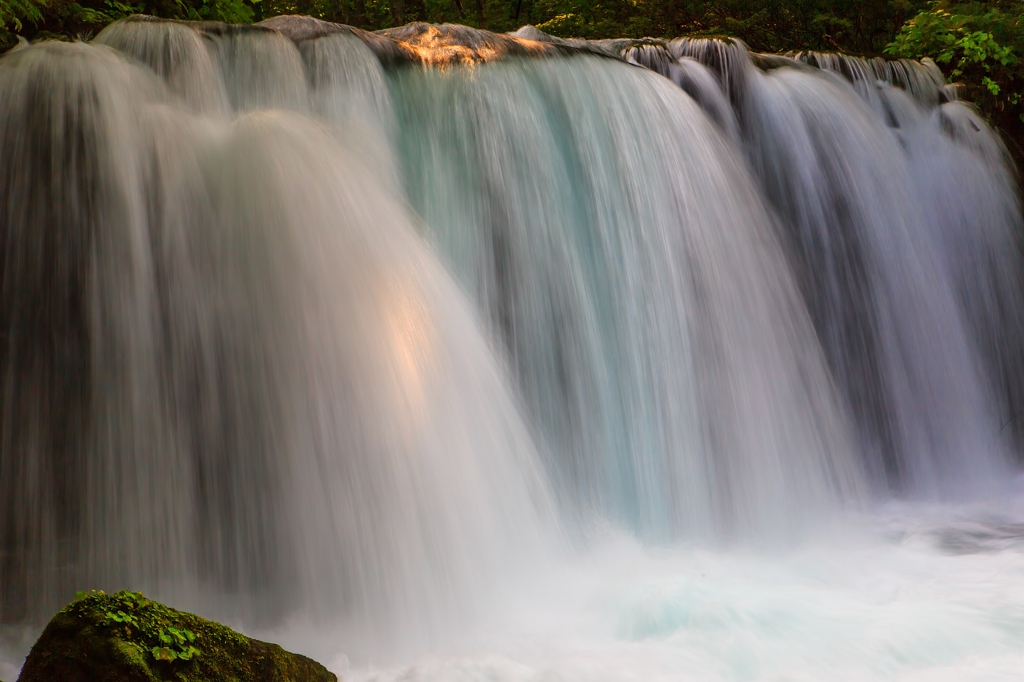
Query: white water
{"x":371,"y":362}
{"x":909,"y":593}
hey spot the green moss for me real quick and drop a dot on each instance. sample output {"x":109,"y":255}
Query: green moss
{"x":128,"y":638}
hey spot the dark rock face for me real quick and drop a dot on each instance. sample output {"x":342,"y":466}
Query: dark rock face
{"x":125,"y":637}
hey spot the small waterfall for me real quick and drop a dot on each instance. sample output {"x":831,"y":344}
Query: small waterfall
{"x":873,"y":253}
{"x":262,"y":69}
{"x":968,"y":194}
{"x":177,"y":54}
{"x":693,"y":77}
{"x":347,"y":82}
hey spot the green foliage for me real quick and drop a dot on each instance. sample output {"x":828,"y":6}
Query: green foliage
{"x":71,"y":19}
{"x":564,"y":25}
{"x":102,"y":13}
{"x":981,"y":45}
{"x":230,"y":11}
{"x":176,"y":645}
{"x":823,"y":25}
{"x":144,"y":623}
{"x":15,"y":13}
{"x":766,"y":25}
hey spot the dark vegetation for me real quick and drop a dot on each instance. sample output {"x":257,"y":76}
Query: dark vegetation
{"x":125,"y":637}
{"x":977,"y":44}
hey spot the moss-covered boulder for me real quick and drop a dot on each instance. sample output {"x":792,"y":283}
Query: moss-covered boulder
{"x":125,"y":637}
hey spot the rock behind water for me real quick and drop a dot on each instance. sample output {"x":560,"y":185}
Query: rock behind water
{"x":125,"y":637}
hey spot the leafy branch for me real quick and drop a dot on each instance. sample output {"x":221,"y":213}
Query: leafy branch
{"x":980,"y":44}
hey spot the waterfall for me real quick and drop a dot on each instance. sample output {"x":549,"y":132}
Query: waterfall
{"x":232,"y":369}
{"x":299,"y":321}
{"x":873,"y":222}
{"x":619,"y":249}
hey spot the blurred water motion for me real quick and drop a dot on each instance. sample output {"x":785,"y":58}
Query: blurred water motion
{"x":301,"y":319}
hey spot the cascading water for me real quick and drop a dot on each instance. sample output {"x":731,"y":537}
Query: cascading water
{"x":384,"y":339}
{"x":859,"y":202}
{"x":623,"y":256}
{"x":237,"y":370}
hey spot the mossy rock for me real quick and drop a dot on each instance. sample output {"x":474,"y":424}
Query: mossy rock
{"x":125,"y":637}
